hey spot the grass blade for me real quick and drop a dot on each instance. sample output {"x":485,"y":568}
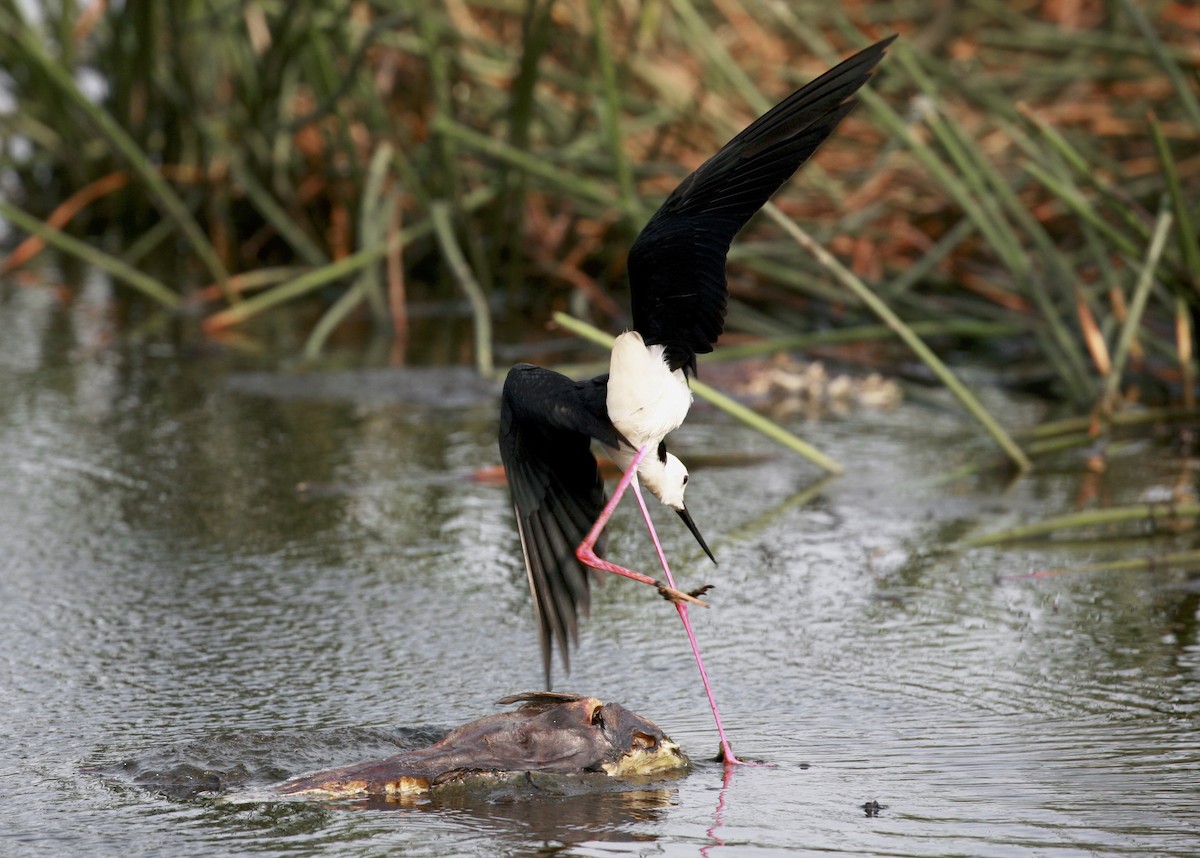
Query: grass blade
{"x":330,"y":273}
{"x":884,"y":312}
{"x":1189,"y":242}
{"x":1137,"y":306}
{"x":124,"y":145}
{"x":154,"y":289}
{"x":1183,"y":90}
{"x":1175,"y":514}
{"x":444,"y":231}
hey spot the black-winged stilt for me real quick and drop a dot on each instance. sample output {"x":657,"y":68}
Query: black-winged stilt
{"x":678,"y":292}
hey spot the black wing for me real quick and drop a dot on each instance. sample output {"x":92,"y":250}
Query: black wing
{"x":677,"y":265}
{"x":547,"y":423}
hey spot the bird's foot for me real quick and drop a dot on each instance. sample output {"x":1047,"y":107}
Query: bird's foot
{"x":677,"y":596}
{"x":725,"y":755}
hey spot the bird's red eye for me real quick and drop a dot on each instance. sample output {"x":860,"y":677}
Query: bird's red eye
{"x":598,"y":716}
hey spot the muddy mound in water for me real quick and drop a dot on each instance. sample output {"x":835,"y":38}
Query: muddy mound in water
{"x":549,"y":735}
{"x":553,"y":745}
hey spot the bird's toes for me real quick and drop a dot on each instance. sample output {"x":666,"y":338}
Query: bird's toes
{"x":676,"y":596}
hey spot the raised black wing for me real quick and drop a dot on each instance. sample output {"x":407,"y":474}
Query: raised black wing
{"x":547,"y":423}
{"x":677,"y":265}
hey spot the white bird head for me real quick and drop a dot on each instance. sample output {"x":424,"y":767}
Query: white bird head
{"x":666,"y":478}
{"x":672,"y":480}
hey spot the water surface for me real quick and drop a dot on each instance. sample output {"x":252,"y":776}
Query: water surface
{"x":236,"y":573}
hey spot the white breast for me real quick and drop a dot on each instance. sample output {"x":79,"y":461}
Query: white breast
{"x":646,"y":400}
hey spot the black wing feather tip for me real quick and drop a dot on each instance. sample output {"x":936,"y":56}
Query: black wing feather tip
{"x":682,"y":249}
{"x":547,"y":423}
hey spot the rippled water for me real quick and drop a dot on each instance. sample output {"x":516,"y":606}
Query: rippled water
{"x":237,"y":576}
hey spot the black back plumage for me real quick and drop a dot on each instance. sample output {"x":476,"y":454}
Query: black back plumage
{"x":677,"y":264}
{"x":547,"y":423}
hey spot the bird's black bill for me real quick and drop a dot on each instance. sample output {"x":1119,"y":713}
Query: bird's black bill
{"x":687,"y":519}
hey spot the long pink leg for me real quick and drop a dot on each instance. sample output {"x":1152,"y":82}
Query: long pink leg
{"x":586,"y":552}
{"x":587,"y":555}
{"x":726,"y":750}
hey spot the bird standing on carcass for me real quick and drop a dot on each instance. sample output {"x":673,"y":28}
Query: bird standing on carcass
{"x":679,"y":293}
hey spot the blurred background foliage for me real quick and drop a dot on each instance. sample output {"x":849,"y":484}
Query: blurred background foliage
{"x":1021,"y":182}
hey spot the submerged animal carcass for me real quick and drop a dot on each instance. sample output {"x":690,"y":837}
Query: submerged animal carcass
{"x":551,"y":733}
